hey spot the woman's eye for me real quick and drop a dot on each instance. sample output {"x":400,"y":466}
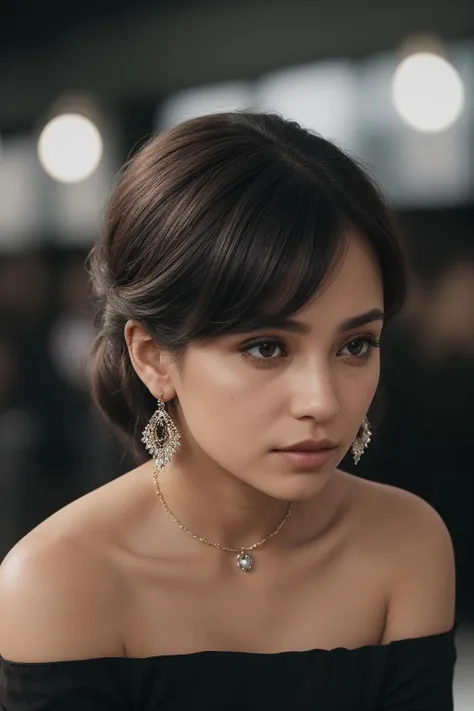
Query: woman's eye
{"x":264,"y":350}
{"x":361,"y":347}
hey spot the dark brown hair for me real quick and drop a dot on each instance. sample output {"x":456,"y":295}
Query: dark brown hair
{"x":217,"y":226}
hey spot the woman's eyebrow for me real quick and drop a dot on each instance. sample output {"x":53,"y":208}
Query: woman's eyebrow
{"x":361,"y":320}
{"x":289,"y":324}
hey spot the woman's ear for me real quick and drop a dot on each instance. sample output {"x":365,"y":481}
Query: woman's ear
{"x":149,"y":360}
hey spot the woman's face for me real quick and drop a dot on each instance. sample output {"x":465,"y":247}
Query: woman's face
{"x":241,"y":397}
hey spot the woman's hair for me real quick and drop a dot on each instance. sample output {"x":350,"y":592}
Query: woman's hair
{"x":222,"y":225}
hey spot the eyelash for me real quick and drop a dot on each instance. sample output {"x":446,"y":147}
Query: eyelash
{"x":370,"y":340}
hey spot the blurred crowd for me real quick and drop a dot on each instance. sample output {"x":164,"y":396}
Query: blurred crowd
{"x":53,"y":446}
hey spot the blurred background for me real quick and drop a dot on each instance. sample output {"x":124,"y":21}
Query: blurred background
{"x":83,"y":87}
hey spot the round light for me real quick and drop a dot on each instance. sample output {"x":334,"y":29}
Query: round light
{"x":427,"y":92}
{"x":70,"y":148}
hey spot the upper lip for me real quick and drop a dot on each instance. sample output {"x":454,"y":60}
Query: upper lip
{"x":310,"y":445}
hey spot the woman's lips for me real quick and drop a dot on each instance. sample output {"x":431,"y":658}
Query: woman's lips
{"x":307,"y":459}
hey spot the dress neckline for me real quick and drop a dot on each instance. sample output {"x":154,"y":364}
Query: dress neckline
{"x":407,"y":641}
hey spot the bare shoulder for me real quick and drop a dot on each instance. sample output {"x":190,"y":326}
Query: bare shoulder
{"x":61,"y":592}
{"x":389,"y":510}
{"x":402,"y":523}
{"x":410,"y":539}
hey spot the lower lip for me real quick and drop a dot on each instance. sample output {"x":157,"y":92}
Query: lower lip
{"x":307,"y":460}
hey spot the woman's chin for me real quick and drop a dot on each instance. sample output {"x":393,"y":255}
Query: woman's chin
{"x":298,"y":486}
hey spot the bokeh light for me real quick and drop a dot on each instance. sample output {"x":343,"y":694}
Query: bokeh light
{"x":70,"y":148}
{"x":427,"y":92}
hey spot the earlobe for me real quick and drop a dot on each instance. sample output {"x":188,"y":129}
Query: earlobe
{"x":145,"y":357}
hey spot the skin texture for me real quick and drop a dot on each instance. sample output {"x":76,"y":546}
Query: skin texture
{"x":357,"y":562}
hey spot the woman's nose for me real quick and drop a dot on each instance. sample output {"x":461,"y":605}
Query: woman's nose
{"x":315,"y":396}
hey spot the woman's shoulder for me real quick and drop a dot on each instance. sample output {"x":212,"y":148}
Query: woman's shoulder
{"x":391,"y":521}
{"x":385,"y":508}
{"x":56,"y":601}
{"x":61,"y":590}
{"x":409,"y":542}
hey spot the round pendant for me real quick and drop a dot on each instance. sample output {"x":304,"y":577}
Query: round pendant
{"x":244,"y":561}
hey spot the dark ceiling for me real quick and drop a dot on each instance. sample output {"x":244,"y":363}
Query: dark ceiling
{"x":122,"y":51}
{"x":27,"y":26}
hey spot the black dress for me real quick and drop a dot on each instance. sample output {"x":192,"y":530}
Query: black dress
{"x":406,"y":675}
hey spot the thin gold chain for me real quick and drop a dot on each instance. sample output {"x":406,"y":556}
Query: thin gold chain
{"x":210,"y":543}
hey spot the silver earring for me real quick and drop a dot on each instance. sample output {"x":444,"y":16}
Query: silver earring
{"x":362,"y":440}
{"x":160,"y":436}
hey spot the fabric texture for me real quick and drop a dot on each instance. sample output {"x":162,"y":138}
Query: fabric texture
{"x":405,"y":675}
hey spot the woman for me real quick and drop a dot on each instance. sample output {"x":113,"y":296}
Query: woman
{"x":245,"y":273}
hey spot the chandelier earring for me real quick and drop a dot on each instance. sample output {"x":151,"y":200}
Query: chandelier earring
{"x":362,"y":440}
{"x":161,"y":437}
